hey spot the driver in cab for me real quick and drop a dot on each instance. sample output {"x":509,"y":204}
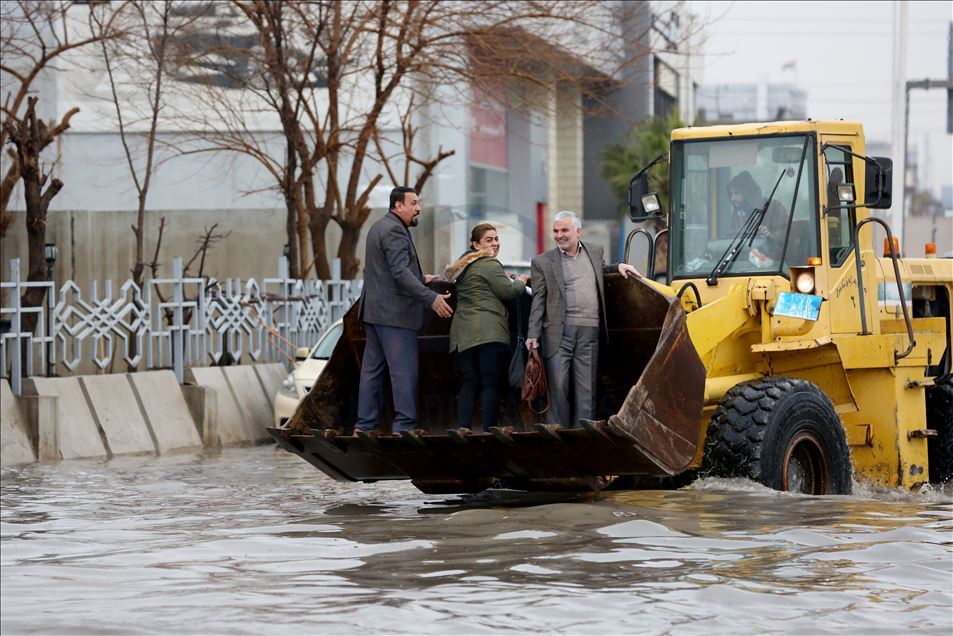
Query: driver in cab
{"x":746,"y":196}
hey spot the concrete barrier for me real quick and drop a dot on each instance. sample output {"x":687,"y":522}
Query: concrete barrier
{"x":271,"y":375}
{"x":118,"y":415}
{"x":15,"y":446}
{"x":250,"y":396}
{"x":163,"y":405}
{"x":203,"y":405}
{"x":79,"y":436}
{"x":43,"y":422}
{"x":147,"y":412}
{"x":233,"y":427}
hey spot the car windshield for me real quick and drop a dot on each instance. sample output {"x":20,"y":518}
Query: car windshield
{"x":721,"y":191}
{"x":327,"y":342}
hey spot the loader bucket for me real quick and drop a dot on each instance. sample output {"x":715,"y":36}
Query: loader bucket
{"x":649,"y":402}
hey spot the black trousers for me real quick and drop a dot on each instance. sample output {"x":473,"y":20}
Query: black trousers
{"x":483,"y":369}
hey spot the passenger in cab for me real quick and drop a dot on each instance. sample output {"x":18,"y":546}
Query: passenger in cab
{"x":479,"y":333}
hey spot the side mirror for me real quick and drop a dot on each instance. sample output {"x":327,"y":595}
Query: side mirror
{"x":878,"y":189}
{"x":643,"y":205}
{"x":302,"y":353}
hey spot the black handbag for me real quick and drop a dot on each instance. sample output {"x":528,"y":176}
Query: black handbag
{"x":517,"y":364}
{"x":514,"y":374}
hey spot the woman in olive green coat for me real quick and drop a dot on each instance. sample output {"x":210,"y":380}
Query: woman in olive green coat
{"x":479,"y":333}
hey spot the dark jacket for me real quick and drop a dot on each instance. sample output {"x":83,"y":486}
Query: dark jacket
{"x":548,"y":314}
{"x":482,"y":288}
{"x":394,"y":293}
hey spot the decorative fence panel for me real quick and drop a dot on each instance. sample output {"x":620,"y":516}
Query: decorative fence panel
{"x":172,"y":323}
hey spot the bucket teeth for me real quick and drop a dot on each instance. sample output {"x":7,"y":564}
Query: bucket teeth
{"x":550,"y":430}
{"x":412,"y":436}
{"x":504,"y":434}
{"x":595,"y":426}
{"x":328,"y":434}
{"x":459,"y":435}
{"x":331,"y":438}
{"x":368,"y":437}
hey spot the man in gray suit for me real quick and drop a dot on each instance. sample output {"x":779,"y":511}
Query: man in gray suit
{"x":568,"y":311}
{"x":393,"y":302}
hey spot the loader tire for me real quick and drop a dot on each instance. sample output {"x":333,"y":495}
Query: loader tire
{"x":940,"y":419}
{"x":781,"y":432}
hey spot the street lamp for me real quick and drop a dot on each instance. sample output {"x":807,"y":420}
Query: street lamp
{"x":50,"y":254}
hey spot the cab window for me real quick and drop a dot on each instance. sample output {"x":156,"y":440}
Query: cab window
{"x":840,"y":222}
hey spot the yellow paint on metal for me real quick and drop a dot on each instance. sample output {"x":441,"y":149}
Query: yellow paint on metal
{"x":880,"y":400}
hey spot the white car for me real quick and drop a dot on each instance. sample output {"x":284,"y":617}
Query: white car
{"x":309,"y":366}
{"x":517,"y":268}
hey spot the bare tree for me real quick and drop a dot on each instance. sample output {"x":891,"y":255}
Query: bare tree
{"x":30,"y":136}
{"x":141,"y":60}
{"x":338,"y":75}
{"x":248,"y":58}
{"x":33,"y":35}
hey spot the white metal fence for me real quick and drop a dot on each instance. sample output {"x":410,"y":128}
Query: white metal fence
{"x":171,"y":323}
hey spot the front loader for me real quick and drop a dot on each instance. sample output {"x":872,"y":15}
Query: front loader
{"x":780,"y":347}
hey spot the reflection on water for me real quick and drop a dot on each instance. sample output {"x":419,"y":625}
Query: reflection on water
{"x":255,"y":540}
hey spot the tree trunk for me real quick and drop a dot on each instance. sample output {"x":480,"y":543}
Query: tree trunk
{"x":36,"y":241}
{"x":304,"y":218}
{"x":6,"y":189}
{"x":30,"y":137}
{"x":291,"y":229}
{"x":347,"y":250}
{"x":318,"y":226}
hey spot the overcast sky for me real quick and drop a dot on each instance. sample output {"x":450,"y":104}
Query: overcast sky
{"x":844,"y":60}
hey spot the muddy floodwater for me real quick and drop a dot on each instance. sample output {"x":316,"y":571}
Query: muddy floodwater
{"x":255,"y":541}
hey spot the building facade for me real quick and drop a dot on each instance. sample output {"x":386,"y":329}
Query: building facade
{"x":522,"y":154}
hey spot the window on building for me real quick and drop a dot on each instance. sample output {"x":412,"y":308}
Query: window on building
{"x":666,"y":89}
{"x":489,"y":191}
{"x":488,"y":183}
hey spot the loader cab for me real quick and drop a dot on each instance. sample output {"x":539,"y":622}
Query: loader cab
{"x":763,"y":188}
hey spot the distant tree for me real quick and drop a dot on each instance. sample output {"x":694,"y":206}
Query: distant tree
{"x":344,"y":77}
{"x":646,"y":141}
{"x":33,"y":35}
{"x":138,"y":66}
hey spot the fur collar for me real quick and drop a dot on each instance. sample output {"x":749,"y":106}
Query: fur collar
{"x":453,"y":272}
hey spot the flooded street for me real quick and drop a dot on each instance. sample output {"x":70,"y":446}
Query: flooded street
{"x":255,"y":541}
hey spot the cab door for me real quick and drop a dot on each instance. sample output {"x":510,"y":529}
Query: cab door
{"x":837,"y":231}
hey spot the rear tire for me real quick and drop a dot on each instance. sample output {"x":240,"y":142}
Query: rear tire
{"x":940,"y":419}
{"x":781,"y":432}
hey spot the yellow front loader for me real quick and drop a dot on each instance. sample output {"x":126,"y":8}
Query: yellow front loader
{"x":780,"y":347}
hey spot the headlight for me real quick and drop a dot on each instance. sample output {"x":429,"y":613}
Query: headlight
{"x":288,"y":387}
{"x":804,"y":282}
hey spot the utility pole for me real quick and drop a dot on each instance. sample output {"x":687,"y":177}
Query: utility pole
{"x":898,"y":138}
{"x":949,"y":77}
{"x":924,"y":84}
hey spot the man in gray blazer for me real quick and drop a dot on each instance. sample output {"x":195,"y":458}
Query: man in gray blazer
{"x":568,"y":312}
{"x":393,"y":302}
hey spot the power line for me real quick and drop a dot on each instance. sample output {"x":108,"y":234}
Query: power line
{"x":840,"y":35}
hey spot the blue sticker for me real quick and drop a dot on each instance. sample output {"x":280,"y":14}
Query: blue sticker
{"x":806,"y":306}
